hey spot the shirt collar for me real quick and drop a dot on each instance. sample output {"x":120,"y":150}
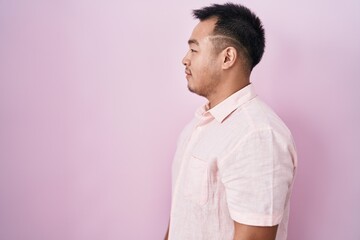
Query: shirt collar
{"x":229,"y":105}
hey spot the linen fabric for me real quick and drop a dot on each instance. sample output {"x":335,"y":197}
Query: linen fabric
{"x":234,"y":162}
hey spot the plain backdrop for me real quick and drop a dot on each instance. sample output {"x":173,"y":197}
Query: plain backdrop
{"x":93,"y":97}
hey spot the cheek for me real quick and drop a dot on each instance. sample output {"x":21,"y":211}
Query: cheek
{"x":199,"y":64}
{"x":203,"y":65}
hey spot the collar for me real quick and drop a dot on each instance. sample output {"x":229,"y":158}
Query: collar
{"x":227,"y":106}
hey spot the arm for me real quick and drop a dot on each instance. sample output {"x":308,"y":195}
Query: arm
{"x":167,"y":232}
{"x":247,"y":232}
{"x":258,"y":176}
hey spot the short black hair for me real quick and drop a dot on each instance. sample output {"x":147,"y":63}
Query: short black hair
{"x":241,"y":28}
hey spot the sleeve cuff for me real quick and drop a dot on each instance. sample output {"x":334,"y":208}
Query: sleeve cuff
{"x":256,"y":219}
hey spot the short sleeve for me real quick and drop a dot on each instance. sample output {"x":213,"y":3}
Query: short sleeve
{"x":258,"y":176}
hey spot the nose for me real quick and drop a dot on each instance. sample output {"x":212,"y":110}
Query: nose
{"x":186,"y":61}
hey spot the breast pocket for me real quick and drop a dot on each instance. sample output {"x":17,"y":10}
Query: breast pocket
{"x":197,"y":184}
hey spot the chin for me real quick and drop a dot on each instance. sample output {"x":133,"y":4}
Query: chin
{"x":191,"y":89}
{"x":195,"y":91}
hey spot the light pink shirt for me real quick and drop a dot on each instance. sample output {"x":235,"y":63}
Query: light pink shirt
{"x":234,"y":162}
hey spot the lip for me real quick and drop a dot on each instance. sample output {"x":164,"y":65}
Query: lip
{"x":188,"y":73}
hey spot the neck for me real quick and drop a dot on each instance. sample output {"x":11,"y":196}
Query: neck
{"x":225,"y":91}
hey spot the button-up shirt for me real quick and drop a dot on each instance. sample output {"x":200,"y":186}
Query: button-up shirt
{"x":234,"y":162}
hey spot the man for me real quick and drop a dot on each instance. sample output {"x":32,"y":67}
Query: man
{"x":235,"y":162}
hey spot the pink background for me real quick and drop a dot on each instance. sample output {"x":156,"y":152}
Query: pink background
{"x":93,"y":97}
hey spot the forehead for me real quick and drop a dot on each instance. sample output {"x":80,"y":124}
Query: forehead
{"x":203,"y":29}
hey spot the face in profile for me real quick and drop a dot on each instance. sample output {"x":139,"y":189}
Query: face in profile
{"x":202,"y":64}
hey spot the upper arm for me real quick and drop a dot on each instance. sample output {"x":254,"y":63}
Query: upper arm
{"x":247,"y":232}
{"x":258,"y":177}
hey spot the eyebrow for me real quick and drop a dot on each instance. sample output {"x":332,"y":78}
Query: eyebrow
{"x":193,"y":41}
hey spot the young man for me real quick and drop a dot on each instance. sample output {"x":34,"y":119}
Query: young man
{"x":235,"y":161}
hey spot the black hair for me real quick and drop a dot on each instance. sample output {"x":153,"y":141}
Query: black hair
{"x":241,"y":28}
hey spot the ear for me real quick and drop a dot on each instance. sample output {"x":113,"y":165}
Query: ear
{"x":229,"y":57}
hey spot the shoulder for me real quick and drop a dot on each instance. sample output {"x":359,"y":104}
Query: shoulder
{"x":258,"y":116}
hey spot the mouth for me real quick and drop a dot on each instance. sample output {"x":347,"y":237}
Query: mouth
{"x":187,"y":72}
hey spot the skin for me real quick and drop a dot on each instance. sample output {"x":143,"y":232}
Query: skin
{"x":167,"y":234}
{"x":210,"y":74}
{"x":215,"y":76}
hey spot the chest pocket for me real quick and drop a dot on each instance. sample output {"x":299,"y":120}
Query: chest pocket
{"x":199,"y":179}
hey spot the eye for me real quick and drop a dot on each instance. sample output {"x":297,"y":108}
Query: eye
{"x":192,"y":50}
